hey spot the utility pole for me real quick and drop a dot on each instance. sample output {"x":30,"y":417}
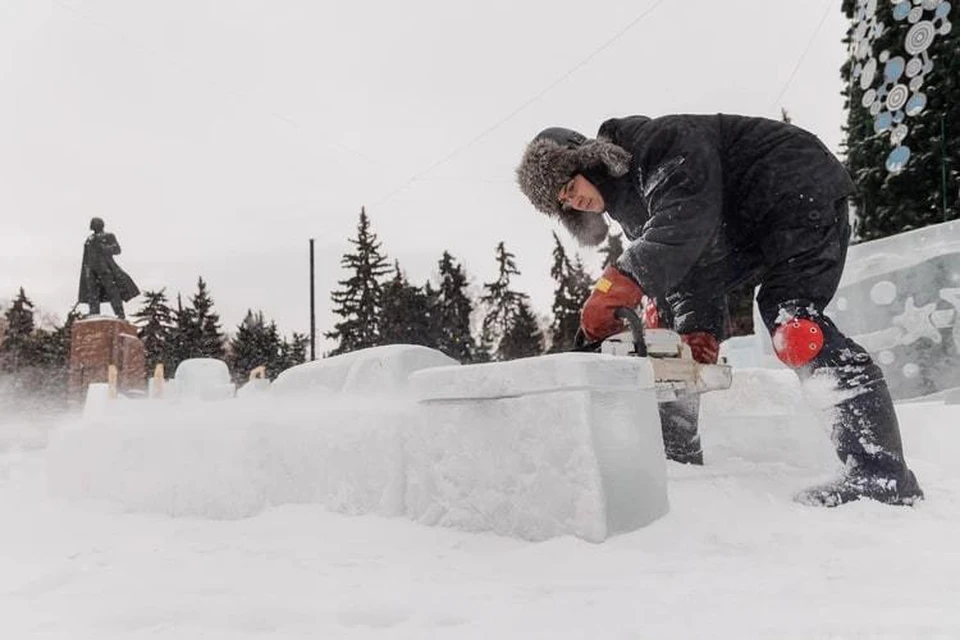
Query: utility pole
{"x":943,"y":161}
{"x":313,"y":311}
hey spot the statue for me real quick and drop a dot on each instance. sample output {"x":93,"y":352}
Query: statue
{"x":101,"y":279}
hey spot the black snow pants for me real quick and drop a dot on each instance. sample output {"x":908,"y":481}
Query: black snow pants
{"x":798,"y":268}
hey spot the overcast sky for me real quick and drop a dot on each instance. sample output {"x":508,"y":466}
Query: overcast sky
{"x":216,"y":137}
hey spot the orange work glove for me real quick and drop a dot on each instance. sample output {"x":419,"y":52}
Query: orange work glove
{"x":704,"y":346}
{"x":613,"y":289}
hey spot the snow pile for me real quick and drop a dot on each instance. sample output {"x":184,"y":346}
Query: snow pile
{"x":735,"y":557}
{"x":575,"y":450}
{"x":203,"y":379}
{"x":379,"y":370}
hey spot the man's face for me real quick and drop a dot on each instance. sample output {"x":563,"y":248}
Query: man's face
{"x":578,"y":193}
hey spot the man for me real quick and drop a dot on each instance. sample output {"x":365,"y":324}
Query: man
{"x":710,"y":202}
{"x":101,"y":279}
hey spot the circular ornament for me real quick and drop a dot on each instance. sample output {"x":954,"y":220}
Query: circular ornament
{"x":920,"y":37}
{"x":897,"y":97}
{"x":914,"y":67}
{"x":898,"y":159}
{"x":899,"y":134}
{"x":916,"y":104}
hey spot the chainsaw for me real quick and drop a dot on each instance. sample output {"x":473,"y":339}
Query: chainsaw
{"x":676,"y":373}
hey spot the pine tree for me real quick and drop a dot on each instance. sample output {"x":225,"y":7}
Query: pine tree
{"x":505,"y":308}
{"x":52,"y":349}
{"x":182,"y":336}
{"x":452,"y":311}
{"x":155,"y":320}
{"x":359,"y":300}
{"x":573,"y":289}
{"x":196,"y":331}
{"x":255,"y":344}
{"x":206,"y":325}
{"x":612,"y":250}
{"x":523,"y":338}
{"x":405,"y":314}
{"x":889,"y":203}
{"x":18,"y":348}
{"x":293,"y":351}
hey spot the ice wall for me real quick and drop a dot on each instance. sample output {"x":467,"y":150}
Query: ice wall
{"x":899,"y":297}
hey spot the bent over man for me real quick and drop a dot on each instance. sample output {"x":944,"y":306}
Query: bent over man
{"x":710,"y":202}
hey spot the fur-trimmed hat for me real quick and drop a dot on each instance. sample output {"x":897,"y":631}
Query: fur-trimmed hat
{"x":553,"y":157}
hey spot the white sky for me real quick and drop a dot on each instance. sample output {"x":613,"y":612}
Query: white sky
{"x":215,"y":138}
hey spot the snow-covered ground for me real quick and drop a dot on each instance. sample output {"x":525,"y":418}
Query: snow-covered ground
{"x":734,"y":558}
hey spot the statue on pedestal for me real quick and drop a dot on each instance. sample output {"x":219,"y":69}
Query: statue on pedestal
{"x":101,"y":279}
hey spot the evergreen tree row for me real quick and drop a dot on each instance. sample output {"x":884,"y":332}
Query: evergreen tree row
{"x":377,"y":305}
{"x":171,"y":336}
{"x":33,"y":361}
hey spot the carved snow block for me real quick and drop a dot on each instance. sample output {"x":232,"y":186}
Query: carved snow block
{"x":372,"y":371}
{"x":565,"y":444}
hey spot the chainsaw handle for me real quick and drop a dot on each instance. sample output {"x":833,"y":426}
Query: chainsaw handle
{"x":632,"y":318}
{"x":636,"y":328}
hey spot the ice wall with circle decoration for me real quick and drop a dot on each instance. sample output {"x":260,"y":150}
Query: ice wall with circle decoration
{"x":899,"y":297}
{"x":893,"y":83}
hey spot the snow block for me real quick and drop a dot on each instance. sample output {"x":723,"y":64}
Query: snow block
{"x":375,"y":370}
{"x":565,"y":444}
{"x":203,"y":379}
{"x":559,"y":445}
{"x":228,"y":460}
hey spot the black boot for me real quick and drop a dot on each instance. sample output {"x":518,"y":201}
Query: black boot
{"x":866,"y":433}
{"x":681,"y":437}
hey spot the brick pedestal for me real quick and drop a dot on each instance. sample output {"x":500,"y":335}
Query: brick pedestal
{"x":95,"y":344}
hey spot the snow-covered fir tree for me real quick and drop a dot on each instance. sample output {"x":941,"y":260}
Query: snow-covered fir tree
{"x":293,"y":351}
{"x":523,"y":337}
{"x":504,"y":309}
{"x":256,"y":343}
{"x":359,"y":300}
{"x":452,"y":311}
{"x":406,"y":312}
{"x":611,"y":250}
{"x":196,"y":332}
{"x":573,"y":288}
{"x":17,"y":349}
{"x":156,"y":326}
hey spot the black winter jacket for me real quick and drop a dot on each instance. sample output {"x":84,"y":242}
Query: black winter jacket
{"x":702,"y":194}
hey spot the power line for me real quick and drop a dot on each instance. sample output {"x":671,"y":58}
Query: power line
{"x":483,"y":134}
{"x":826,"y":12}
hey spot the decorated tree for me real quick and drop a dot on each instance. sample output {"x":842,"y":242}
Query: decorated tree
{"x":903,"y":114}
